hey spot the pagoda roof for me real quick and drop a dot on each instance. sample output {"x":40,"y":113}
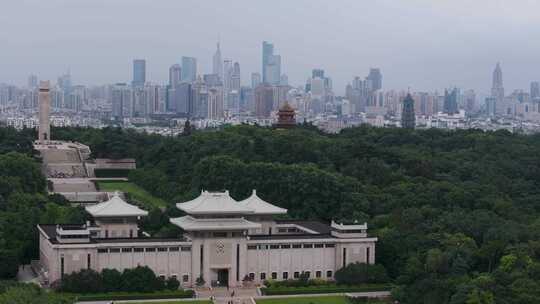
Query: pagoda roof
{"x":214,"y":203}
{"x":259,"y":206}
{"x":286,"y":107}
{"x":189,"y":223}
{"x":115,"y":207}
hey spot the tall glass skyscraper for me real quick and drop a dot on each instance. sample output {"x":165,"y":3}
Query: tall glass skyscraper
{"x":139,"y":72}
{"x":175,"y":75}
{"x":450,"y":105}
{"x":375,"y":77}
{"x":267,"y":54}
{"x":189,"y":69}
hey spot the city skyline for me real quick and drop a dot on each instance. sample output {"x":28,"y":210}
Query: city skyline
{"x":100,"y":48}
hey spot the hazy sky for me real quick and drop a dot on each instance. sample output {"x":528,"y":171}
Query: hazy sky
{"x":422,"y":44}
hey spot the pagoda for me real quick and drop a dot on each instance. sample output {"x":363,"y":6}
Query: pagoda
{"x":286,"y":117}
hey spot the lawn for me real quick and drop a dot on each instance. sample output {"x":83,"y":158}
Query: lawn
{"x":328,"y":288}
{"x":307,"y":300}
{"x":135,"y":192}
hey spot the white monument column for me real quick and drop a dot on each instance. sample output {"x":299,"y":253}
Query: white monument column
{"x":44,"y":108}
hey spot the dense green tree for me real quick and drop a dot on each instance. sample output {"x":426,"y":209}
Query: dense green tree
{"x":84,"y":281}
{"x":358,"y":273}
{"x":112,"y":279}
{"x":141,"y":279}
{"x":456,"y":212}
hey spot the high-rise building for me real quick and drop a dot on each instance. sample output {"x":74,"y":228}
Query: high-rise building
{"x":64,"y":82}
{"x":497,"y":89}
{"x":408,"y":118}
{"x":155,"y":98}
{"x":271,"y":64}
{"x":490,"y":105}
{"x":451,"y":102}
{"x":175,"y":75}
{"x":317,"y":87}
{"x":317,"y":73}
{"x":264,"y":100}
{"x":227,"y":74}
{"x":215,"y":103}
{"x":217,"y":67}
{"x":140,"y":106}
{"x":121,"y":101}
{"x":273,"y":70}
{"x":189,"y":69}
{"x":212,"y":80}
{"x":267,"y":53}
{"x":246,"y":99}
{"x":32,"y":81}
{"x":200,"y":98}
{"x":470,"y":101}
{"x":255,"y":80}
{"x":77,"y":98}
{"x":139,"y":72}
{"x":235,"y":77}
{"x":44,"y":109}
{"x":184,"y":99}
{"x":4,"y":96}
{"x":284,"y":80}
{"x":535,"y":90}
{"x":175,"y":78}
{"x":375,"y":77}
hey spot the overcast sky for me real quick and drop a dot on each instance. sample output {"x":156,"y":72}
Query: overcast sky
{"x":422,"y":44}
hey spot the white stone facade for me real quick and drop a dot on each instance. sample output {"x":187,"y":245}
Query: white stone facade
{"x":225,"y":256}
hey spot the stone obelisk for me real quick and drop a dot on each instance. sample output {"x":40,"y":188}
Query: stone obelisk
{"x":44,"y":109}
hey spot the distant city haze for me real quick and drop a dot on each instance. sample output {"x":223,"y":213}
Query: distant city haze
{"x":422,"y":44}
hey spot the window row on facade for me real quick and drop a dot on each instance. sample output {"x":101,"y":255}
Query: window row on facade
{"x":295,"y":275}
{"x":289,"y":246}
{"x":143,"y":249}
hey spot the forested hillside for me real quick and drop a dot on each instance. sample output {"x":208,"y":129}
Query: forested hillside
{"x":24,"y":202}
{"x":457,"y":213}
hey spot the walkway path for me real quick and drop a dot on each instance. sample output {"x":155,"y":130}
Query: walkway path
{"x":142,"y":301}
{"x":223,"y":295}
{"x":249,"y":296}
{"x":26,"y":275}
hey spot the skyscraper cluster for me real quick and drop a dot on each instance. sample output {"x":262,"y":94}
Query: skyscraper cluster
{"x":362,"y":93}
{"x":219,"y":96}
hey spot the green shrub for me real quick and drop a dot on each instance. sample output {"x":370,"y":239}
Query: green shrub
{"x":359,"y":273}
{"x":138,"y":279}
{"x":200,"y":281}
{"x":141,"y":279}
{"x":330,"y":288}
{"x":112,"y":280}
{"x":84,"y":281}
{"x":172,"y":283}
{"x":111,"y":172}
{"x":118,"y":296}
